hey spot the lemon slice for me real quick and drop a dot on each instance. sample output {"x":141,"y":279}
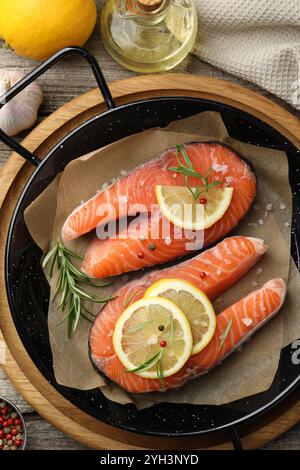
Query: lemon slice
{"x":153,"y":338}
{"x":195,"y":305}
{"x":179,"y":206}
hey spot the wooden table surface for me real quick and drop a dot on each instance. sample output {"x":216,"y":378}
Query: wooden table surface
{"x":66,"y":80}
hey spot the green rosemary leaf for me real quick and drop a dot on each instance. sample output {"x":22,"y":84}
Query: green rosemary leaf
{"x":71,"y":319}
{"x":186,"y":158}
{"x":160,"y":372}
{"x":140,"y":326}
{"x":225,"y":334}
{"x":49,"y":255}
{"x":68,"y":286}
{"x":171,"y":330}
{"x":185,"y":171}
{"x":52,"y":264}
{"x":215,"y":183}
{"x":130,"y":298}
{"x":73,"y":254}
{"x":147,"y":364}
{"x":77,"y":312}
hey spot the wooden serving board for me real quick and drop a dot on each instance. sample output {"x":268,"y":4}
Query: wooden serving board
{"x":18,"y":366}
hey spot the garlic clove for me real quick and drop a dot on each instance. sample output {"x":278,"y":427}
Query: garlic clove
{"x":21,"y":112}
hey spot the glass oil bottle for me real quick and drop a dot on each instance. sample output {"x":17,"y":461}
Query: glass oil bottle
{"x":149,"y":35}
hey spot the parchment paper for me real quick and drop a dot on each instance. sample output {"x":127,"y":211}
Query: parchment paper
{"x":252,"y":369}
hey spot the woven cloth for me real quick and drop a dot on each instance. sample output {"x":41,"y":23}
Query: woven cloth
{"x":257,"y":40}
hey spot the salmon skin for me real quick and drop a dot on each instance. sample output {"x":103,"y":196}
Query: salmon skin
{"x":223,"y":265}
{"x":129,"y":252}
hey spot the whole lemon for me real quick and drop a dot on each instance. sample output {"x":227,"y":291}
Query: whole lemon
{"x":39,"y":28}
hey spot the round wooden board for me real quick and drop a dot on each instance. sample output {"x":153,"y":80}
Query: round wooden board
{"x":18,"y":366}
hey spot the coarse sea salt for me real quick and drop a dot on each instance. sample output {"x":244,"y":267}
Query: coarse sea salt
{"x":168,"y":240}
{"x":123,"y":172}
{"x":247,"y":321}
{"x":222,"y":168}
{"x":269,"y":207}
{"x":259,"y":270}
{"x":282,"y":206}
{"x":105,"y":185}
{"x":261,"y":222}
{"x":287,"y":224}
{"x":254,"y":283}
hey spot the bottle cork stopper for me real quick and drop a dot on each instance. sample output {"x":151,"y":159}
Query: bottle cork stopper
{"x":149,"y":5}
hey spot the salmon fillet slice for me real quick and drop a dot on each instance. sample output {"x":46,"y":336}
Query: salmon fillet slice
{"x":138,"y":188}
{"x":223,"y":265}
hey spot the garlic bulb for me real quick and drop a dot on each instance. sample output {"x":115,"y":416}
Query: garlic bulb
{"x":20,"y":113}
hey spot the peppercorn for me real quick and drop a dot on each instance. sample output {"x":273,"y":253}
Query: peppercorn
{"x":161,"y":327}
{"x":2,"y":404}
{"x":18,"y":442}
{"x":13,"y":448}
{"x":6,"y":430}
{"x":14,"y":431}
{"x":5,"y":447}
{"x":18,"y":421}
{"x":10,"y":442}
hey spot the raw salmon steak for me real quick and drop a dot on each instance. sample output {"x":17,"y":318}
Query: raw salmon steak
{"x":138,"y":188}
{"x":223,"y":265}
{"x":152,"y":239}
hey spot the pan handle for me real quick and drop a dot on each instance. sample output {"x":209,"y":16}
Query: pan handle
{"x":6,"y":97}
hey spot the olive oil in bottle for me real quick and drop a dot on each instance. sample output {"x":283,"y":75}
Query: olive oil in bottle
{"x":149,"y":35}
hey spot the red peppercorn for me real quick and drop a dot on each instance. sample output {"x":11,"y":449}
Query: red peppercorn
{"x":203,"y":275}
{"x":17,"y":442}
{"x":8,"y":437}
{"x":18,"y":421}
{"x":5,"y":424}
{"x":203,"y":200}
{"x":10,"y":421}
{"x":141,"y":255}
{"x":1,"y":434}
{"x":1,"y":419}
{"x":4,"y":411}
{"x":163,"y":344}
{"x":14,"y":431}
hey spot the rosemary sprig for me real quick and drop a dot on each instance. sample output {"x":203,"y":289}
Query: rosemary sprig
{"x":160,"y":372}
{"x":188,"y":170}
{"x":140,"y":326}
{"x":130,"y":298}
{"x":225,"y":334}
{"x":171,"y":330}
{"x":147,"y":364}
{"x":69,"y":286}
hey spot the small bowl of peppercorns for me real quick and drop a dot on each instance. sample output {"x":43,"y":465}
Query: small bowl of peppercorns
{"x":12,"y":427}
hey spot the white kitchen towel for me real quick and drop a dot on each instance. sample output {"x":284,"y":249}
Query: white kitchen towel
{"x":257,"y":40}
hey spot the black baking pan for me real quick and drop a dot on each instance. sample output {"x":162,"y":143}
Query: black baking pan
{"x":28,"y":290}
